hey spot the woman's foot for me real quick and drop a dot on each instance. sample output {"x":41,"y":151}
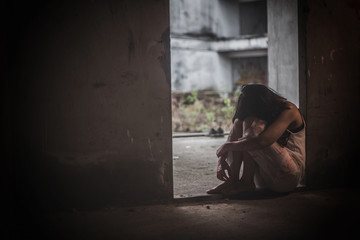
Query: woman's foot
{"x":220,"y":188}
{"x":239,"y":187}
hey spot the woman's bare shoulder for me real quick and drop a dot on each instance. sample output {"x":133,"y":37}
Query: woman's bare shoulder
{"x":295,"y":113}
{"x":292,"y":107}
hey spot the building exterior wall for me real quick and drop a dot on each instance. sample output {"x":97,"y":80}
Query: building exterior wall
{"x":207,"y":65}
{"x":249,"y":70}
{"x":205,"y":18}
{"x":205,"y":37}
{"x":193,"y":70}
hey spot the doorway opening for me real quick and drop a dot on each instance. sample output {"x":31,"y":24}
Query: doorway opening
{"x":217,"y":46}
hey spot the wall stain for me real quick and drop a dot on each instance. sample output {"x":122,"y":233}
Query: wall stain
{"x":128,"y":78}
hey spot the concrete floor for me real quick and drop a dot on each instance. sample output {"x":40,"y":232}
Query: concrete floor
{"x":304,"y":214}
{"x":195,"y":165}
{"x":299,"y":215}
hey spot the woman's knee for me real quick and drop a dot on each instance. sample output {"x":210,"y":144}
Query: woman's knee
{"x":253,"y":126}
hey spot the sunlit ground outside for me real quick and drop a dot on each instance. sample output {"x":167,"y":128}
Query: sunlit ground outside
{"x":195,"y":165}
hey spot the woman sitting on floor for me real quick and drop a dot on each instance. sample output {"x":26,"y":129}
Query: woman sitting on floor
{"x":268,"y":138}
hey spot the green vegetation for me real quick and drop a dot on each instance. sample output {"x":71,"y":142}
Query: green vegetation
{"x":199,"y":111}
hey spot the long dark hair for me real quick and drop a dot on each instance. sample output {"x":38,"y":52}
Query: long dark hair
{"x":259,"y":101}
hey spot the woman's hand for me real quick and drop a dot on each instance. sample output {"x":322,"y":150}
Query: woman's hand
{"x":222,"y":167}
{"x":222,"y":150}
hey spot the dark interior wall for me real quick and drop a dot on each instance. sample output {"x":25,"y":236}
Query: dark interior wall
{"x":89,"y":92}
{"x":333,"y":84}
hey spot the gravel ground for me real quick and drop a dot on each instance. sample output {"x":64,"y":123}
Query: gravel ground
{"x":195,"y":165}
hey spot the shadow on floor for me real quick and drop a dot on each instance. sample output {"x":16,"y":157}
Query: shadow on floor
{"x":258,"y":195}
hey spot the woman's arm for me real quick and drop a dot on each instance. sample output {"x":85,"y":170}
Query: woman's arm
{"x":223,"y":166}
{"x":267,"y":137}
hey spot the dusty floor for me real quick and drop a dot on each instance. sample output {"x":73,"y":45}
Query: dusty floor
{"x":304,"y":214}
{"x":300,"y":215}
{"x":195,"y":165}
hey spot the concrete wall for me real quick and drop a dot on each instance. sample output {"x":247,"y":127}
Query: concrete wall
{"x":202,"y":64}
{"x":333,"y":73}
{"x":253,"y":17}
{"x":206,"y":65}
{"x":90,"y":102}
{"x":283,"y":57}
{"x":205,"y":36}
{"x":249,"y":70}
{"x":227,"y":15}
{"x":205,"y":18}
{"x":193,"y":17}
{"x":194,"y":70}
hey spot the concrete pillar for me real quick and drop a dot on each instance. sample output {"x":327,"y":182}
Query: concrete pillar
{"x":283,"y":57}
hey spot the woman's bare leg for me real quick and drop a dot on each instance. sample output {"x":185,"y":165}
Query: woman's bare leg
{"x":246,"y":182}
{"x":237,"y":157}
{"x":235,"y":164}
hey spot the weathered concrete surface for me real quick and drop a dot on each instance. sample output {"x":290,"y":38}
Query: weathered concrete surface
{"x":195,"y":165}
{"x":283,"y":55}
{"x":327,"y":214}
{"x":196,"y":70}
{"x":205,"y":18}
{"x":205,"y":37}
{"x":203,"y":64}
{"x":253,"y":17}
{"x":333,"y":73}
{"x":91,"y":107}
